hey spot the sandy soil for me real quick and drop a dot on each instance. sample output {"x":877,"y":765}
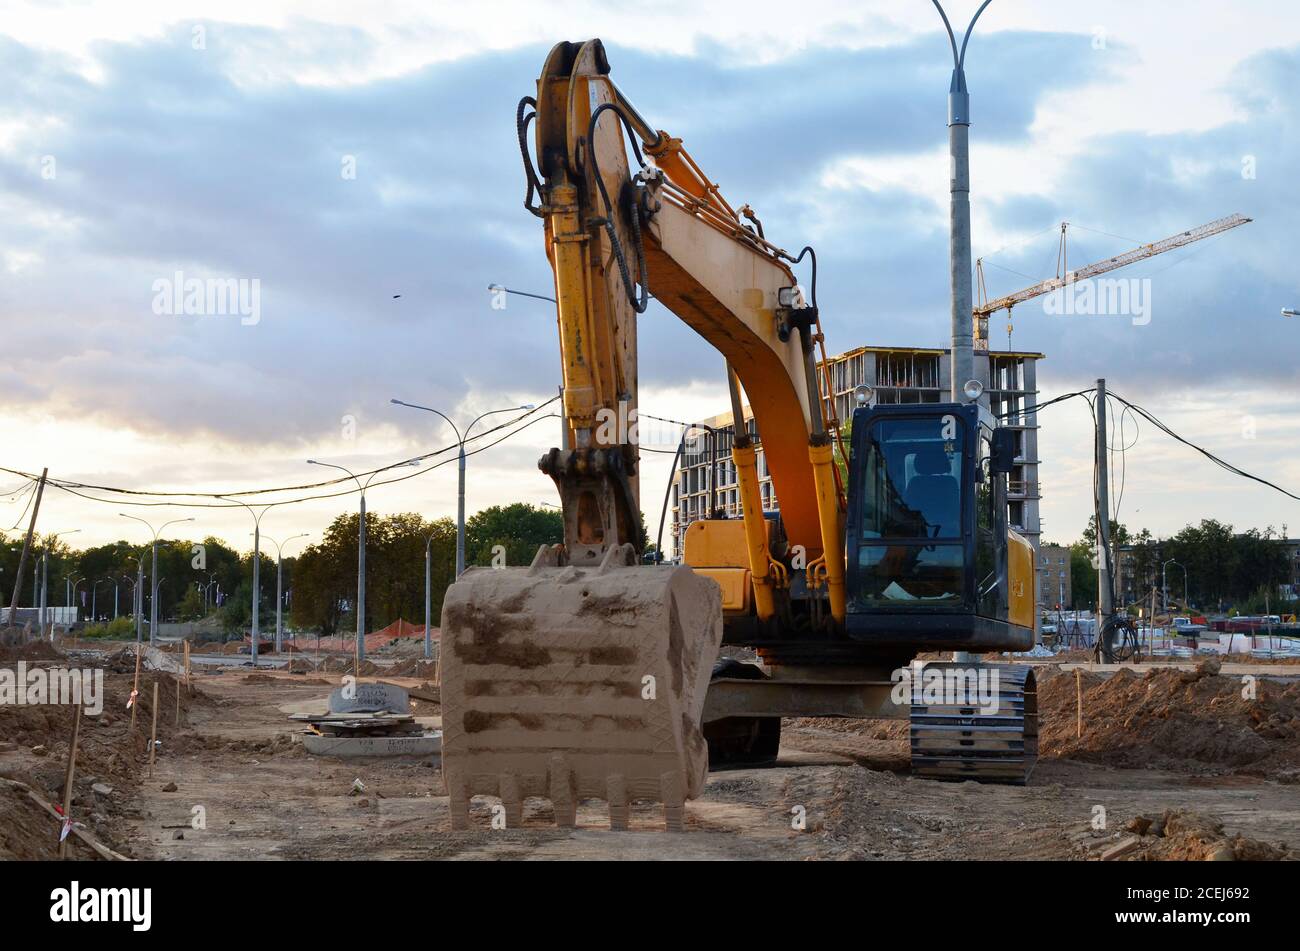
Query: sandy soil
{"x":263,"y":796}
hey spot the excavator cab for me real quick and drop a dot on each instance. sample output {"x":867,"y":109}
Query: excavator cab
{"x":932,"y":562}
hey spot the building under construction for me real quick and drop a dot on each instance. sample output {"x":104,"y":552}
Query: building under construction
{"x":706,"y":480}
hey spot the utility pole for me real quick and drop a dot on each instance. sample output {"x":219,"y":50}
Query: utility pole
{"x":1105,"y":598}
{"x":959,"y":253}
{"x":27,"y":546}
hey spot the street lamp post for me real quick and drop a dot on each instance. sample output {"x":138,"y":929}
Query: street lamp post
{"x":361,"y":550}
{"x":279,"y":586}
{"x":502,"y":289}
{"x":255,"y":633}
{"x":959,"y":257}
{"x":139,"y":600}
{"x":460,"y":484}
{"x":94,"y":599}
{"x":1164,"y":580}
{"x":153,"y":594}
{"x":428,"y":598}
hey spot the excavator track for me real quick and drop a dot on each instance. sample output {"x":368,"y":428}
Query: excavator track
{"x":989,"y":734}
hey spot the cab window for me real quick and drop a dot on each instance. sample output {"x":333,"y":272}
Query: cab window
{"x":912,"y":478}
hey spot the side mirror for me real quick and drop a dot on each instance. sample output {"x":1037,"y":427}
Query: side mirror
{"x":1002,"y":451}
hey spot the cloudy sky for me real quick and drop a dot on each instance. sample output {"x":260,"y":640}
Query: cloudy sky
{"x":341,"y":154}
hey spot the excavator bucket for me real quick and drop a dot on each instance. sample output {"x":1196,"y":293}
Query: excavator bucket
{"x":571,"y":683}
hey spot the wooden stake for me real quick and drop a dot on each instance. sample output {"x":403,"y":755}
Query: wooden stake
{"x":135,"y":689}
{"x":67,"y":779}
{"x":189,"y":688}
{"x":1078,"y":694}
{"x":153,"y":739}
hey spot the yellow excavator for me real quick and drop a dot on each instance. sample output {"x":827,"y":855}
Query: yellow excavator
{"x":591,"y":675}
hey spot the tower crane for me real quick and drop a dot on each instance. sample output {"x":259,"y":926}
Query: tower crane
{"x":1065,"y":277}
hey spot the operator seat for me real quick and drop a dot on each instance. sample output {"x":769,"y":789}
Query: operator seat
{"x":935,"y":493}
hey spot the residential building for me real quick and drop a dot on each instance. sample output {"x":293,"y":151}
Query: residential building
{"x":1053,"y":578}
{"x":707,"y":478}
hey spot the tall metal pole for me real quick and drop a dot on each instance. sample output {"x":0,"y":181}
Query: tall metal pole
{"x":279,"y":588}
{"x":428,"y":599}
{"x":460,"y":482}
{"x":959,"y":250}
{"x":1105,"y":596}
{"x":45,"y":590}
{"x":116,"y":586}
{"x":257,"y":586}
{"x":139,"y":600}
{"x":153,"y":596}
{"x":460,"y":512}
{"x":153,"y":581}
{"x":1164,"y":584}
{"x":279,"y":600}
{"x":361,"y":556}
{"x":361,"y":581}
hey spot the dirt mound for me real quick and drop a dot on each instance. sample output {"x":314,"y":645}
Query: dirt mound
{"x":1191,"y":721}
{"x":414,"y":668}
{"x":408,"y":647}
{"x":34,"y":742}
{"x":281,"y":744}
{"x":35,"y":650}
{"x":347,"y":665}
{"x":1184,"y":836}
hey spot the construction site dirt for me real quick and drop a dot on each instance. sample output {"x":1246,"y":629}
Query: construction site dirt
{"x":1167,"y":762}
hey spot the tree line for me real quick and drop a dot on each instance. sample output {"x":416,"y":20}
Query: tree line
{"x":320,"y":581}
{"x":1225,"y":569}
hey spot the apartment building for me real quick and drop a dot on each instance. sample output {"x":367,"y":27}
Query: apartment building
{"x":706,"y":481}
{"x":1053,"y":578}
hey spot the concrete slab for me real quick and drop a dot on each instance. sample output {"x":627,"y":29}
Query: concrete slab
{"x":426,"y":744}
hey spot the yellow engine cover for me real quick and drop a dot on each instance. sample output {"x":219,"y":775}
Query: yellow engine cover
{"x":736,"y":588}
{"x":1022,"y":596}
{"x":716,"y":543}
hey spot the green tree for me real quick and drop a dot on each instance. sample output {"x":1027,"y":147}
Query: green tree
{"x":521,"y":528}
{"x":1083,"y":576}
{"x":325,"y":574}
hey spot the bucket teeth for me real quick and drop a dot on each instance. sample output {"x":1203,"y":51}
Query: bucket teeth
{"x":574,"y":684}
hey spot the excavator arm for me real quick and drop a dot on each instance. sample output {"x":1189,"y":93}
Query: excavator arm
{"x":615,"y":235}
